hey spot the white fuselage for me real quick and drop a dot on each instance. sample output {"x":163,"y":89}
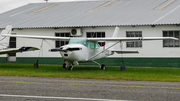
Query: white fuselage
{"x":81,"y":53}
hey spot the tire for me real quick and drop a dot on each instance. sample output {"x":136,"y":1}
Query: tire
{"x":103,"y":67}
{"x":70,"y":68}
{"x":64,"y":66}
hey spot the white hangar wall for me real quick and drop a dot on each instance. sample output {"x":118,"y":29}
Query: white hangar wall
{"x":148,"y":49}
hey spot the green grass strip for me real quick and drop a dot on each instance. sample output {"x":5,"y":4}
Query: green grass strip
{"x":87,"y":72}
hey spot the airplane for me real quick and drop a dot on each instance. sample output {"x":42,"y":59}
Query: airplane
{"x":4,"y":43}
{"x":87,"y":49}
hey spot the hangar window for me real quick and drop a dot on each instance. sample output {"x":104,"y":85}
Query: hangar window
{"x":12,"y":44}
{"x":96,"y":35}
{"x":134,"y":44}
{"x":61,"y":43}
{"x":171,"y":43}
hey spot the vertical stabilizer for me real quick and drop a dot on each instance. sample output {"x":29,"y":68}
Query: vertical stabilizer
{"x":4,"y":41}
{"x":115,"y":34}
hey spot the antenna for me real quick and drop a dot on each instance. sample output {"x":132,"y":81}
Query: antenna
{"x":46,"y":1}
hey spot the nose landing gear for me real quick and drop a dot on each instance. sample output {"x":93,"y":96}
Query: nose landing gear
{"x":65,"y":66}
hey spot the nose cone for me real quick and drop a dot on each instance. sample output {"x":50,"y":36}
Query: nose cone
{"x":67,"y":55}
{"x":72,"y":52}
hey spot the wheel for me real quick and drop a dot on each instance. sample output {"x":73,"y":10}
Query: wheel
{"x":70,"y":68}
{"x":103,"y":67}
{"x":64,"y":66}
{"x":123,"y":68}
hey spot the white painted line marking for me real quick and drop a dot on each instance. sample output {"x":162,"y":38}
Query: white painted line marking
{"x":65,"y":98}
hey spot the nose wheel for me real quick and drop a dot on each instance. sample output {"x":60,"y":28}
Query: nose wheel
{"x":64,"y":66}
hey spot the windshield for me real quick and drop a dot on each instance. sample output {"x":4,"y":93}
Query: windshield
{"x":82,"y":41}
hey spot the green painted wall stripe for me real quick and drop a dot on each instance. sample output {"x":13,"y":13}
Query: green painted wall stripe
{"x":138,"y":62}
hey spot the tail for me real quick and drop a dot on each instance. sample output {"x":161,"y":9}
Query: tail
{"x":4,"y":41}
{"x":115,"y":34}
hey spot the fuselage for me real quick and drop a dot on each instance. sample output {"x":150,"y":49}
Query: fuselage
{"x":82,"y":50}
{"x":81,"y":53}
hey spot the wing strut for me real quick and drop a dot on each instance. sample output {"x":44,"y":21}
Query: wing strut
{"x":96,"y":63}
{"x":48,"y":43}
{"x":41,"y":48}
{"x":102,"y":51}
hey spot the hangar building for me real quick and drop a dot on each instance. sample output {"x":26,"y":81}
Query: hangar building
{"x":135,"y":18}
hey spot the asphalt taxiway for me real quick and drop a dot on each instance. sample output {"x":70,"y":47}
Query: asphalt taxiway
{"x":52,"y":89}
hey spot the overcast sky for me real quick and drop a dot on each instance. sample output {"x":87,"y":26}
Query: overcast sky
{"x":6,"y":5}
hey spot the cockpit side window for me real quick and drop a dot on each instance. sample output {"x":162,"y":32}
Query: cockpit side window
{"x":97,"y":46}
{"x":94,"y":45}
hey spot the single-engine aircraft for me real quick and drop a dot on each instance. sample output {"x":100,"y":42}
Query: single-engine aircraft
{"x":87,"y":49}
{"x":4,"y":43}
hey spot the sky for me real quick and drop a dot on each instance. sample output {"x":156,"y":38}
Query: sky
{"x":6,"y":5}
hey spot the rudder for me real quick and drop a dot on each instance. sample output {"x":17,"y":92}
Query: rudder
{"x":4,"y":41}
{"x":115,"y":34}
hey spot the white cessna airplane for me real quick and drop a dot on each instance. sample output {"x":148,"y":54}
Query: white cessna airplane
{"x":4,"y":43}
{"x":87,"y":49}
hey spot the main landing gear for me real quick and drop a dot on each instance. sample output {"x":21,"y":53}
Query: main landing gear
{"x":103,"y":67}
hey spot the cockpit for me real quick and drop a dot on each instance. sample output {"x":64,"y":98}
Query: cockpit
{"x":84,"y":42}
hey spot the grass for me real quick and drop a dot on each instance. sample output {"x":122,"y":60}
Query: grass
{"x":87,"y":72}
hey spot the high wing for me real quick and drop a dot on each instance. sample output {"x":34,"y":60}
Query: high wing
{"x":39,"y":37}
{"x":131,"y":38}
{"x":15,"y":50}
{"x":92,"y":39}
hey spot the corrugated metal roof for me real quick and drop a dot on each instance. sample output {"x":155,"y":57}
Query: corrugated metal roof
{"x":93,"y":13}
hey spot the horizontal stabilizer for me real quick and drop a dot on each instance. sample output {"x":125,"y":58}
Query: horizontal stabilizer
{"x":15,"y":50}
{"x":28,"y":48}
{"x":124,"y":51}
